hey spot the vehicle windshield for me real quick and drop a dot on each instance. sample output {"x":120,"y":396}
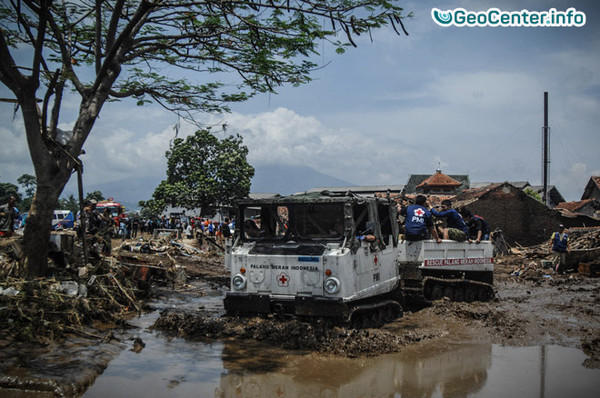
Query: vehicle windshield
{"x":114,"y":210}
{"x":298,"y":221}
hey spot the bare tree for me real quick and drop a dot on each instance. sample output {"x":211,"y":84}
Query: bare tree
{"x":123,"y":44}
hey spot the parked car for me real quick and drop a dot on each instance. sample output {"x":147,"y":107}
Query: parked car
{"x":63,"y":219}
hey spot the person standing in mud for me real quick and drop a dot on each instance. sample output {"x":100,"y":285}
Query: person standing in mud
{"x":92,"y":218}
{"x":135,"y":226}
{"x":7,"y":217}
{"x":559,"y":245}
{"x":106,"y":229}
{"x":225,"y":231}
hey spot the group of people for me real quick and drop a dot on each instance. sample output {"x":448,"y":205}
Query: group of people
{"x":461,"y":225}
{"x":220,"y":231}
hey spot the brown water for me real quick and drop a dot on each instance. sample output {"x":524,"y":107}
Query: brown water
{"x":173,"y":367}
{"x":179,"y":368}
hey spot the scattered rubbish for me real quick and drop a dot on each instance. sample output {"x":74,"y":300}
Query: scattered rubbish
{"x":109,"y":288}
{"x":138,"y":345}
{"x":10,"y":291}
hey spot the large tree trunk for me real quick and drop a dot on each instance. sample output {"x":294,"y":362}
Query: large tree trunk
{"x":53,"y":163}
{"x":52,"y":171}
{"x":37,"y":230}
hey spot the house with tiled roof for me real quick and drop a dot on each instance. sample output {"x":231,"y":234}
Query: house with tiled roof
{"x":592,"y":189}
{"x":589,"y":207}
{"x":436,"y":184}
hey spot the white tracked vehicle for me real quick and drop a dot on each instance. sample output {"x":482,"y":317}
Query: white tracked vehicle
{"x":339,"y":256}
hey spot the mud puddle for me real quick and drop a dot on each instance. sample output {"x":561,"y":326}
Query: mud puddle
{"x":162,"y":365}
{"x":227,"y":369}
{"x":172,"y":366}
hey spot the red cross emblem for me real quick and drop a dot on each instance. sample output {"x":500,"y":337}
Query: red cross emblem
{"x":283,"y":280}
{"x":419,"y":212}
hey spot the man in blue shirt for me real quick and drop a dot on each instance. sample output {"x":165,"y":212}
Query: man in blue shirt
{"x":418,"y":221}
{"x":456,"y":229}
{"x":559,"y":243}
{"x":478,"y":228}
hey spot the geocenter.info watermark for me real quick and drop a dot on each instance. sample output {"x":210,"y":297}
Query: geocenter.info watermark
{"x":495,"y":17}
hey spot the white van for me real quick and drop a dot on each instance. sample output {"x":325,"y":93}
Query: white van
{"x":63,"y":219}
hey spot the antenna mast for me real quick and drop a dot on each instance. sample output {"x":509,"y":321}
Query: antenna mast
{"x":545,"y":151}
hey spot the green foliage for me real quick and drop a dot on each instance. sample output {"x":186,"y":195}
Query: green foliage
{"x":113,"y":49}
{"x":70,"y":203}
{"x":94,"y":195}
{"x":28,"y":182}
{"x":150,"y":208}
{"x":7,"y":190}
{"x":533,"y":194}
{"x":204,"y":171}
{"x":267,"y":43}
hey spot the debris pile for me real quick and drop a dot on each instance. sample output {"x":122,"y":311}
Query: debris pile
{"x":44,"y":310}
{"x":579,"y":239}
{"x":584,"y":238}
{"x":108,"y":290}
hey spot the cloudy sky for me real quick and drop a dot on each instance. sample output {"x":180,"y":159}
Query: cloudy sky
{"x":469,"y":99}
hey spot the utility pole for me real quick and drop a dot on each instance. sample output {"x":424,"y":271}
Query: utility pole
{"x":545,"y":150}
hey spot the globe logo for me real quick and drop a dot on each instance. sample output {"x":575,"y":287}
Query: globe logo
{"x":442,"y":18}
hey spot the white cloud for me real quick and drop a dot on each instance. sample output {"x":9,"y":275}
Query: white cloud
{"x":572,"y":181}
{"x":14,"y":154}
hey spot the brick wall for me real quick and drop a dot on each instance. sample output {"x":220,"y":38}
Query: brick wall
{"x":521,"y":218}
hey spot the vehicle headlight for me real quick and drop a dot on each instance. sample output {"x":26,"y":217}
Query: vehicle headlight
{"x":238,"y":282}
{"x":332,"y":285}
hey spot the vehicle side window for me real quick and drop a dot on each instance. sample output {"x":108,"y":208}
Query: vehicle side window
{"x":361,"y":216}
{"x":385,"y":222}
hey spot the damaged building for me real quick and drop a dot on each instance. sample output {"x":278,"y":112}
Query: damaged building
{"x":505,"y":205}
{"x":522,"y":219}
{"x":592,"y":189}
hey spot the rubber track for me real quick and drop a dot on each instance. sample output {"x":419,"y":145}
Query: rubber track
{"x":460,"y":281}
{"x":369,"y":307}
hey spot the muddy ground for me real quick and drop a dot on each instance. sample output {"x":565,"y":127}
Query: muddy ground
{"x":534,"y":308}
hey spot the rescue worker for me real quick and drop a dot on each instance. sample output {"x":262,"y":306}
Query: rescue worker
{"x":8,"y":214}
{"x":456,"y":229}
{"x":559,"y":244}
{"x":92,"y":218}
{"x":105,"y":231}
{"x":225,"y":231}
{"x":478,"y":228}
{"x":93,"y":225}
{"x":418,"y":221}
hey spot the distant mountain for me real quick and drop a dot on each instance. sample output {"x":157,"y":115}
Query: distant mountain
{"x":279,"y":179}
{"x":286,"y":180}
